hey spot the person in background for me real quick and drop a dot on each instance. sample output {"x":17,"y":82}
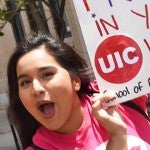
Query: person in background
{"x":53,"y":103}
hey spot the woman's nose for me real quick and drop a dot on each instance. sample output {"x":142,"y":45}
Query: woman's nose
{"x":37,"y":87}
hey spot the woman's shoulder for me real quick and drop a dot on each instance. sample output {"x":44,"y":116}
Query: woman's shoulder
{"x":93,"y":86}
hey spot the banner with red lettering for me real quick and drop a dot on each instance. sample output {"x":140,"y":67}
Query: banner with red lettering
{"x":117,"y":38}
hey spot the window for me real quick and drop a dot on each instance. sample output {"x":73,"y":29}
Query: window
{"x":17,"y":25}
{"x":32,"y":22}
{"x":58,"y":6}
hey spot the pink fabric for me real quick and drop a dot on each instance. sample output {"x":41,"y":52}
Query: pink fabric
{"x":88,"y":137}
{"x":91,"y":134}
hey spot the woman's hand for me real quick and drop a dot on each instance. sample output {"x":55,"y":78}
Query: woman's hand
{"x":111,"y":119}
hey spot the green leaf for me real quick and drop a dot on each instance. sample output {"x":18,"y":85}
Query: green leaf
{"x":1,"y":33}
{"x":5,"y":14}
{"x":20,"y":3}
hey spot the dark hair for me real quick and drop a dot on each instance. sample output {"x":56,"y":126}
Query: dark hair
{"x":24,"y":123}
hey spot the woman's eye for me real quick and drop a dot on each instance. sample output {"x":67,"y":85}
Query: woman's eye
{"x":48,"y":74}
{"x":23,"y":83}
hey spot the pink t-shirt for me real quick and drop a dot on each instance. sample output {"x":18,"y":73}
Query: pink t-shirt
{"x":92,"y":135}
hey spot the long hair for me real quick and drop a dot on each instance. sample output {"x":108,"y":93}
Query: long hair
{"x":23,"y":121}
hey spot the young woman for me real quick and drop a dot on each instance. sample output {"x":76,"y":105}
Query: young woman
{"x":53,"y":105}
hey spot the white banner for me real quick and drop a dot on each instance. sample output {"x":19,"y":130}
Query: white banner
{"x":117,"y":37}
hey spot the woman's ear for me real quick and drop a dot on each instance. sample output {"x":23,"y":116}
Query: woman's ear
{"x":76,"y":83}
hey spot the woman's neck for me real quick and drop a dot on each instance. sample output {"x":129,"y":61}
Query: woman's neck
{"x":75,"y":120}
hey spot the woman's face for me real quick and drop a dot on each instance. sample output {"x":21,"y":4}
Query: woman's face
{"x":47,"y":90}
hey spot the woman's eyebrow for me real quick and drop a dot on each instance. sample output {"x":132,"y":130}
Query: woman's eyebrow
{"x":21,"y":76}
{"x":45,"y":67}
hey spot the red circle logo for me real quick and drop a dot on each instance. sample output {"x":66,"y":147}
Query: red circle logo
{"x":118,"y":59}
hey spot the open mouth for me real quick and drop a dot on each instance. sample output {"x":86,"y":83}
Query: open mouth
{"x":47,"y":108}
